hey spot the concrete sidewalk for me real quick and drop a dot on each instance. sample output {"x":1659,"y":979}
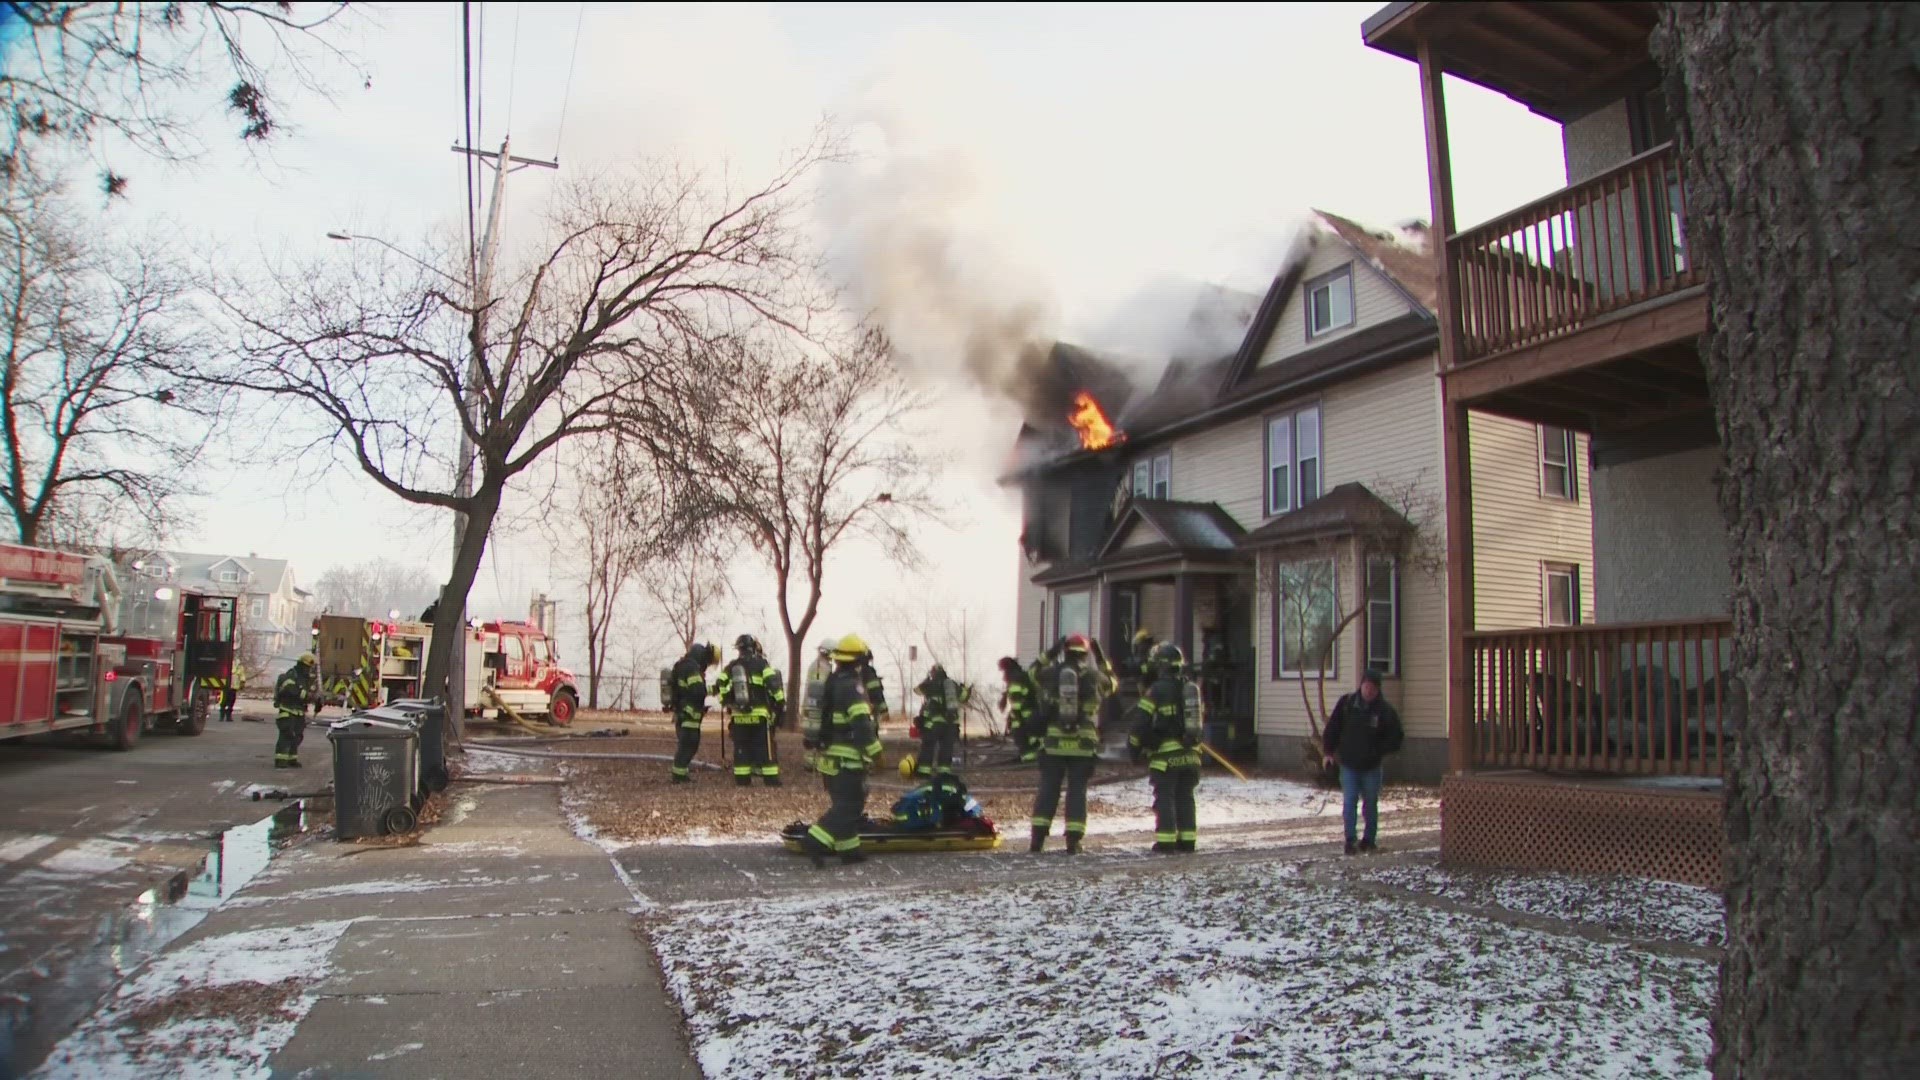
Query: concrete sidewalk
{"x":500,"y":946}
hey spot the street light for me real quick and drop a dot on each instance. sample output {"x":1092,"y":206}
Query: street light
{"x":402,"y":252}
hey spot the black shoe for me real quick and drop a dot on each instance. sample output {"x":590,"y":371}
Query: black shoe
{"x":295,"y":764}
{"x":281,"y":765}
{"x":682,"y":779}
{"x":1351,"y":848}
{"x":1039,"y":841}
{"x":1164,"y":848}
{"x":771,"y":781}
{"x":847,"y":858}
{"x":743,"y":781}
{"x":1184,"y":847}
{"x":1367,"y":847}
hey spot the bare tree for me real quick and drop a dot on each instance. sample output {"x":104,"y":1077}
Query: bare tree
{"x":614,"y":519}
{"x":1797,"y":124}
{"x":99,"y":422}
{"x":811,"y":455}
{"x":688,"y":582}
{"x":644,"y":267}
{"x":374,"y":587}
{"x":77,"y":70}
{"x":1401,"y":538}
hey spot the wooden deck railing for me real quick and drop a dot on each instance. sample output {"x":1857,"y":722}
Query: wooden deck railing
{"x":1558,"y":263}
{"x":1640,"y":699}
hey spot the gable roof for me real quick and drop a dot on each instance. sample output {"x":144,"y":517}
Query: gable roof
{"x":264,"y":575}
{"x":1186,"y":528}
{"x":1347,"y":510}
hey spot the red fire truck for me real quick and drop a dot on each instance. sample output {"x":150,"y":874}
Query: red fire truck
{"x":365,"y":661}
{"x":78,"y":652}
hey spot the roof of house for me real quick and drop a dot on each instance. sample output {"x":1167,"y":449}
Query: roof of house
{"x":1189,"y":528}
{"x":1191,"y":389}
{"x":265,"y":575}
{"x":1344,"y":511}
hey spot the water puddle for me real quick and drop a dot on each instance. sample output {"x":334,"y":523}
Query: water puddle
{"x":76,"y":968}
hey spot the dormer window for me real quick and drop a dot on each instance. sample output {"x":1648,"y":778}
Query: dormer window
{"x":1330,"y":302}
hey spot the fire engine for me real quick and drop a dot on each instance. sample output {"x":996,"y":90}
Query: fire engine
{"x":366,"y":661}
{"x":79,"y":652}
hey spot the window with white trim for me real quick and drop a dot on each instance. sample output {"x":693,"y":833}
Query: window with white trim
{"x":1072,"y":614}
{"x":1293,"y":459}
{"x":1560,"y":594}
{"x":1558,"y":476}
{"x":1153,"y":477}
{"x":229,"y":576}
{"x":256,"y":609}
{"x":1305,"y":611}
{"x":1383,"y":615}
{"x":1330,"y":302}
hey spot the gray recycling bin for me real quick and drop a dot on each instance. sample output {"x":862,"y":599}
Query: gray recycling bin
{"x":376,"y":771}
{"x":430,"y":716}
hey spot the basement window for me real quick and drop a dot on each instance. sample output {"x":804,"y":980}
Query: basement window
{"x":1330,"y":302}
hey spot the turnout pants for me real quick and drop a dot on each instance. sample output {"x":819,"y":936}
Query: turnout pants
{"x":937,"y":741}
{"x":686,"y":744}
{"x":226,"y":702}
{"x":838,"y":830}
{"x":1174,"y":820}
{"x":1055,"y":772}
{"x":753,"y":752}
{"x":293,"y":728}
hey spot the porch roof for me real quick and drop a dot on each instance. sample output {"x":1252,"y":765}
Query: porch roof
{"x":1189,"y":533}
{"x":1347,"y":510}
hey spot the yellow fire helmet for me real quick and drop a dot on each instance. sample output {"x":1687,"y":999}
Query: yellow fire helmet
{"x":849,"y":648}
{"x":307,"y":660}
{"x":907,"y":765}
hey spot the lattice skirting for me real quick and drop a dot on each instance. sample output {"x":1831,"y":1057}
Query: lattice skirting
{"x":1530,"y":821}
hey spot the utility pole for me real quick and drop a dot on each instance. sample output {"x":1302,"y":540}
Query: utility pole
{"x":478,"y":372}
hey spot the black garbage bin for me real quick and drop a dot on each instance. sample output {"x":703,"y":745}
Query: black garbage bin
{"x":430,"y":715}
{"x":376,"y":770}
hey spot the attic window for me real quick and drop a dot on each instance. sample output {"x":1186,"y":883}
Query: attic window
{"x":1330,"y":302}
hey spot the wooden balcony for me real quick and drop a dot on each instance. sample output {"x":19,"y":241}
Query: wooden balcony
{"x":1647,"y":699}
{"x":1579,"y":257}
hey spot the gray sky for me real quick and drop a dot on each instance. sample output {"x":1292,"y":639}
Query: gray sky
{"x":1103,"y":148}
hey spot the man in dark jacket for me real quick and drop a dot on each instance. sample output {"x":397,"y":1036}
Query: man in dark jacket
{"x":1362,"y":731}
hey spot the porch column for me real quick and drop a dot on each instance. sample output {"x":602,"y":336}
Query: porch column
{"x":1458,"y":461}
{"x":1440,"y":191}
{"x":1183,"y":613}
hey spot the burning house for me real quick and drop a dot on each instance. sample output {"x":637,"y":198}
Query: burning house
{"x":1277,"y":507}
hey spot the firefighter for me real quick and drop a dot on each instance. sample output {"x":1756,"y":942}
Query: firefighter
{"x":1018,"y":701}
{"x":849,"y":744}
{"x":236,"y":682}
{"x":689,"y":679}
{"x":941,"y":700}
{"x":1166,"y":732}
{"x":290,"y":695}
{"x":752,"y":689}
{"x":1078,"y":687}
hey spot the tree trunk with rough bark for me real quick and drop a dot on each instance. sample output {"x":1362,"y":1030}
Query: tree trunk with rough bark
{"x":1801,"y":125}
{"x":448,"y":627}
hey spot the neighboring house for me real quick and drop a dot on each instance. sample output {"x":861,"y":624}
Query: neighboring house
{"x":272,"y":604}
{"x":1583,"y":310}
{"x":1263,"y":496}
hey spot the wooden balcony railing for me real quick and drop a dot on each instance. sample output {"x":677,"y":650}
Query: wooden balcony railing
{"x":1640,"y":699}
{"x":1558,"y":263}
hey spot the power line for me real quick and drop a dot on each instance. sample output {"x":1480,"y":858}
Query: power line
{"x":513,"y":64}
{"x":466,"y":115}
{"x":480,"y":76}
{"x":567,"y":96}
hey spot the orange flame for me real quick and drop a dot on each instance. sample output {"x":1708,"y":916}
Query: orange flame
{"x":1087,"y":418}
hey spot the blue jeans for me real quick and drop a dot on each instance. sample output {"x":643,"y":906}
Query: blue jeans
{"x":1355,"y":784}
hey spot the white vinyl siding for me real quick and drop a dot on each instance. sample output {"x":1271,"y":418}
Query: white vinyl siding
{"x":1222,"y":465}
{"x":1515,"y":529}
{"x":1375,"y":300}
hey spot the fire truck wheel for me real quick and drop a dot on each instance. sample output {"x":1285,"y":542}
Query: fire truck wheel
{"x":193,"y":718}
{"x":564,"y":705}
{"x":398,"y":819}
{"x":126,"y":732}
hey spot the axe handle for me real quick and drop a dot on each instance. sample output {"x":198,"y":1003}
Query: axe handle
{"x":1224,"y":763}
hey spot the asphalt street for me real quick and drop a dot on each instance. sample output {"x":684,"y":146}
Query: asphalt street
{"x":105,"y":856}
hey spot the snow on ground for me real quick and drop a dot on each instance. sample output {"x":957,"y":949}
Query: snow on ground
{"x":1243,"y":971}
{"x":481,"y":761}
{"x":408,"y":884}
{"x":1127,"y":806}
{"x":89,"y":857}
{"x":217,"y":1008}
{"x":1632,"y":906}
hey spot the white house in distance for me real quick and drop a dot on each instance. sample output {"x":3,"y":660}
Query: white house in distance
{"x":272,"y":604}
{"x":1281,"y":511}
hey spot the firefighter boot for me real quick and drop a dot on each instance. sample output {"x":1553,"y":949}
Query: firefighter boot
{"x":1073,"y":843}
{"x":855,"y":856}
{"x":1185,"y":847}
{"x":1039,"y":840}
{"x":745,"y":780}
